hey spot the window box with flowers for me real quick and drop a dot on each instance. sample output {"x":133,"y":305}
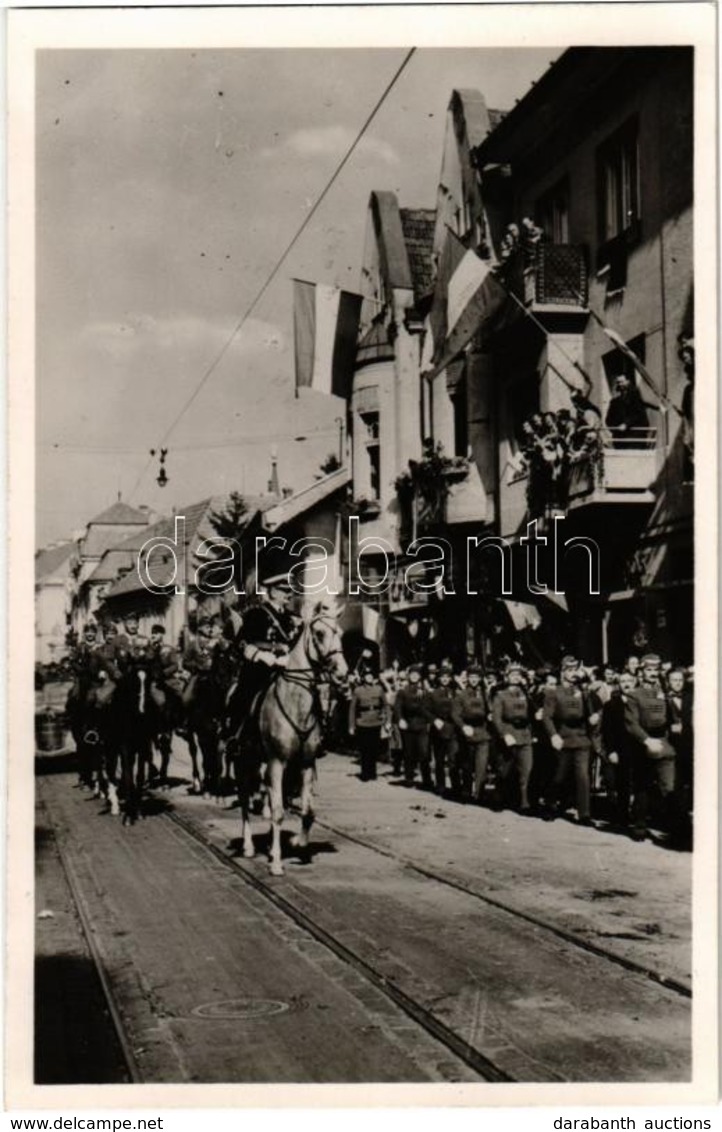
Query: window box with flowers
{"x":423,"y":491}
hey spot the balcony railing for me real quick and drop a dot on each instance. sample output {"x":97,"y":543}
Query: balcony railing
{"x":560,"y":275}
{"x":625,"y":474}
{"x":549,"y":275}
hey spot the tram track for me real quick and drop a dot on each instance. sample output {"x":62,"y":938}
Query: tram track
{"x":667,"y":982}
{"x":484,"y":1066}
{"x":66,"y":859}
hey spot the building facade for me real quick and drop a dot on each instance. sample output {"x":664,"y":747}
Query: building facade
{"x":578,"y":202}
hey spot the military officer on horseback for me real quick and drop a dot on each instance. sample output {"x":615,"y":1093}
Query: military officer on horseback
{"x":132,"y":647}
{"x":269,"y":630}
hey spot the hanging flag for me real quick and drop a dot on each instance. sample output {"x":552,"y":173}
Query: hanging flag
{"x":451,"y":256}
{"x":370,"y":620}
{"x":523,"y":616}
{"x":463,"y":285}
{"x":471,"y":295}
{"x":326,"y":322}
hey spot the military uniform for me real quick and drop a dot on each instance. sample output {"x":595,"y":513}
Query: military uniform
{"x":511,"y":715}
{"x":267,"y":634}
{"x":566,"y":714}
{"x":646,"y":717}
{"x":444,"y":741}
{"x":367,"y":715}
{"x":412,"y":708}
{"x":616,"y":740}
{"x":470,"y":710}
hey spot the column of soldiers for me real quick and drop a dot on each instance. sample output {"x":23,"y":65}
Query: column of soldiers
{"x":541,"y":742}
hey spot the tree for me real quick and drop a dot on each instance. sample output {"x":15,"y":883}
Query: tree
{"x":230,"y":524}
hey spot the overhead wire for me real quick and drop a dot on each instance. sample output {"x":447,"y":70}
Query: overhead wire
{"x":279,"y":263}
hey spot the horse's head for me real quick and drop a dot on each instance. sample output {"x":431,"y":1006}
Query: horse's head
{"x":324,"y":643}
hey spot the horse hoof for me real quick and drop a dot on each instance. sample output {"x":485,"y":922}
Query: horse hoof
{"x":277,"y":869}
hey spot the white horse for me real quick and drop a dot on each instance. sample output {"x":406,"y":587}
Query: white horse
{"x":291,"y":724}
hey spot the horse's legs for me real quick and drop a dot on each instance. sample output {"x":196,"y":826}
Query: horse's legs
{"x":193,"y":752}
{"x":275,"y":782}
{"x":301,"y":840}
{"x":127,"y":762}
{"x":209,"y":751}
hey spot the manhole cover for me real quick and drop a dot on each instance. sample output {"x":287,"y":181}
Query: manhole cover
{"x":241,"y":1008}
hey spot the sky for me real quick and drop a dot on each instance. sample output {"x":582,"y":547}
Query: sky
{"x":169,"y":182}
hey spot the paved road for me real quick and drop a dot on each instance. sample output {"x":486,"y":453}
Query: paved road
{"x":182,"y":933}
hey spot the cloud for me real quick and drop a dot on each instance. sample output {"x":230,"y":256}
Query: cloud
{"x":331,"y":141}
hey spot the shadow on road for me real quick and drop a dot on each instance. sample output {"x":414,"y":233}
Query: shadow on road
{"x":75,"y":1042}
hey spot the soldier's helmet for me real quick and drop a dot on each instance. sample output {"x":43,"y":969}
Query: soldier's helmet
{"x":158,"y":628}
{"x":474,"y":669}
{"x":569,"y":662}
{"x":651,"y":661}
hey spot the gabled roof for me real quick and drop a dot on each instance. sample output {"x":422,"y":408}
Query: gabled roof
{"x":302,"y":501}
{"x":121,"y":515}
{"x":48,"y":561}
{"x":197,"y":528}
{"x":418,"y":226}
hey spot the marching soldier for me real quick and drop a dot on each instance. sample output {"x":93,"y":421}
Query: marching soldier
{"x":569,"y":721}
{"x":647,"y":719}
{"x":617,"y":748}
{"x":444,"y":742}
{"x":412,"y":716}
{"x":368,"y":713}
{"x":470,"y":713}
{"x":511,"y":714}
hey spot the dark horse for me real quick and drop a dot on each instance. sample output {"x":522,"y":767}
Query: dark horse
{"x":203,"y":701}
{"x":290,"y":725}
{"x":138,"y":717}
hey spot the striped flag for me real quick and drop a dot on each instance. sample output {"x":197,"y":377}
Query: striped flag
{"x":471,"y":296}
{"x":326,"y":322}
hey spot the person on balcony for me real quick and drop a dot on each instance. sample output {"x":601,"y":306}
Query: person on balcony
{"x":627,"y":415}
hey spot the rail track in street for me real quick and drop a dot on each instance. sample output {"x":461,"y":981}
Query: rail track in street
{"x":455,"y":984}
{"x":666,"y":981}
{"x":482,"y":1065}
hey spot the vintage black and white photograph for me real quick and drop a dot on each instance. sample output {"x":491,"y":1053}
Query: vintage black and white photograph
{"x":366,"y":741}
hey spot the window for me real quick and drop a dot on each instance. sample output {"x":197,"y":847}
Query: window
{"x":373,"y":453}
{"x":617,"y":364}
{"x":618,"y":201}
{"x":552,"y":213}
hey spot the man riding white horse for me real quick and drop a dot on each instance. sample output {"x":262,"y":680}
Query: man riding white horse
{"x":268,"y":632}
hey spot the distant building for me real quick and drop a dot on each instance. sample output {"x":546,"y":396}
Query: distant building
{"x":52,"y":601}
{"x":101,"y":534}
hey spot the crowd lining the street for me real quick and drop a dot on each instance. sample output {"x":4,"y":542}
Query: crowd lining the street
{"x":542,"y":741}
